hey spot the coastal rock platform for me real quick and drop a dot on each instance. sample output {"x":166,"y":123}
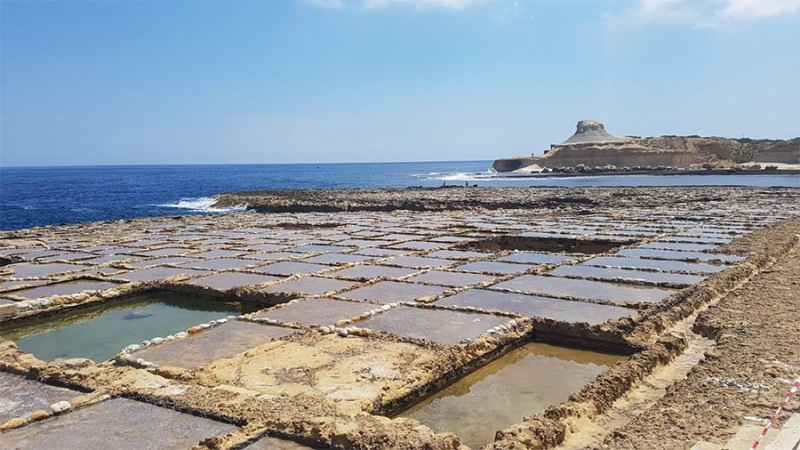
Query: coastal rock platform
{"x":364,"y":302}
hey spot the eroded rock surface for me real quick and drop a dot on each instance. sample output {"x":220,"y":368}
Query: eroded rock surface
{"x":402,"y":292}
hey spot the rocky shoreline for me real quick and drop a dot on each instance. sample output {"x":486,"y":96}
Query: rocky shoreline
{"x":460,"y":198}
{"x":364,"y":261}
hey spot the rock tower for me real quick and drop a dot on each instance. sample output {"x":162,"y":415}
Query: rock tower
{"x":591,"y":132}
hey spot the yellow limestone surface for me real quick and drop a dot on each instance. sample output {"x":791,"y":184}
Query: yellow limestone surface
{"x":355,"y":372}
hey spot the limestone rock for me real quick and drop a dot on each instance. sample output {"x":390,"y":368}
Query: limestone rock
{"x":592,"y":132}
{"x":13,"y":423}
{"x":60,"y":407}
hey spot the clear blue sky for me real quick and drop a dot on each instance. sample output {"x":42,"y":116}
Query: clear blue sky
{"x":162,"y":82}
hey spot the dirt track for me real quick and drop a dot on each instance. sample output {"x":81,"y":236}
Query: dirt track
{"x":757,"y":357}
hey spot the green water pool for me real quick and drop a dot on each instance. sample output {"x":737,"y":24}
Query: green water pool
{"x":100,"y":332}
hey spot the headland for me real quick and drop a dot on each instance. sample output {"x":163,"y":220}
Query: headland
{"x":592,"y":150}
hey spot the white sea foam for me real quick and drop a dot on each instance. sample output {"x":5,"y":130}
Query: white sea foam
{"x":462,"y":176}
{"x":202,"y":204}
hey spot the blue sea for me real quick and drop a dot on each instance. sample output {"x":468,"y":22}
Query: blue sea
{"x":38,"y":196}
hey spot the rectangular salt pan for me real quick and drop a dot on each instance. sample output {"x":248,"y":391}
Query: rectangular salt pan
{"x":229,"y":280}
{"x":372,"y":272}
{"x":679,"y":246}
{"x":612,"y":274}
{"x":28,"y":270}
{"x":19,"y":396}
{"x":418,"y":262}
{"x":534,"y":258}
{"x":492,"y":267}
{"x":321,"y":311}
{"x":393,"y":291}
{"x":654,"y":264}
{"x":311,"y":286}
{"x":222,"y":264}
{"x":337,"y":259}
{"x":222,"y":341}
{"x":159,"y":273}
{"x":162,"y":262}
{"x":68,"y":288}
{"x":534,"y":306}
{"x":117,"y":423}
{"x":453,"y":279}
{"x":417,"y":245}
{"x":437,"y":325}
{"x":567,"y":287}
{"x":525,"y":381}
{"x":456,"y":254}
{"x":289,"y":268}
{"x":677,"y":255}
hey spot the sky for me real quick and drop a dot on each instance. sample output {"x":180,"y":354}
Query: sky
{"x":317,"y":81}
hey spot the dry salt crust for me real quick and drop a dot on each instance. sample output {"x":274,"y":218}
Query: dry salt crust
{"x":387,"y":307}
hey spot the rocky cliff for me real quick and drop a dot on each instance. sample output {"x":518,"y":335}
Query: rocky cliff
{"x":592,"y":146}
{"x":736,"y":150}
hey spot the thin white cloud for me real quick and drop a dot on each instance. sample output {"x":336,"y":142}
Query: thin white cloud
{"x":759,"y":9}
{"x":700,"y":13}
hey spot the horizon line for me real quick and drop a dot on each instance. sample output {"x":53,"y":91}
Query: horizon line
{"x":64,"y":166}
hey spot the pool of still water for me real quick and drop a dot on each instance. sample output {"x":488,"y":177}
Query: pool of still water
{"x":524,"y":382}
{"x":100,"y":332}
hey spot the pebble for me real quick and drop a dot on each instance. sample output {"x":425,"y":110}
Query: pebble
{"x":156,"y":341}
{"x":325,"y":330}
{"x":342,"y":332}
{"x":13,"y":423}
{"x":77,"y":362}
{"x":60,"y":407}
{"x":132,"y":348}
{"x":40,"y":414}
{"x":181,"y":335}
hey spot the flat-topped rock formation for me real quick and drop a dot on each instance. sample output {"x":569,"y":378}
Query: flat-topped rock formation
{"x":591,"y":132}
{"x":593,"y":147}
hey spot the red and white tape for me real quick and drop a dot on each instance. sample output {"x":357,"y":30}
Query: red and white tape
{"x":792,"y":391}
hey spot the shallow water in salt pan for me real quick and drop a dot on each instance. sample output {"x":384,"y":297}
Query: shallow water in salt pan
{"x":524,"y":382}
{"x":99,"y":332}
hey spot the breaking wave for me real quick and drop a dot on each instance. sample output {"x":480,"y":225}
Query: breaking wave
{"x":457,"y":176}
{"x":202,"y":204}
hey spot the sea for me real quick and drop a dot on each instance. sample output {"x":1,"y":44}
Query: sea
{"x":40,"y":196}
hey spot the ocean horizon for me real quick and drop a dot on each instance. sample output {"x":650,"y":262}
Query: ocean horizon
{"x":54,"y":195}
